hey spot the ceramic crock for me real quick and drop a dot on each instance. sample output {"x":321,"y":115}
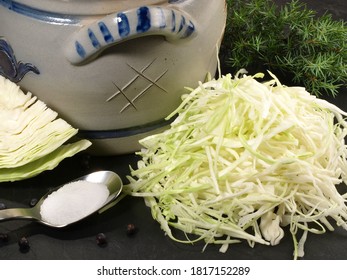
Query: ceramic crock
{"x":114,"y":69}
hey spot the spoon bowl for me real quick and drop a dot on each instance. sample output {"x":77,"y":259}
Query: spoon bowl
{"x":108,"y":178}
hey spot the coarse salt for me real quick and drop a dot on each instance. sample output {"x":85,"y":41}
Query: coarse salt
{"x":73,"y":202}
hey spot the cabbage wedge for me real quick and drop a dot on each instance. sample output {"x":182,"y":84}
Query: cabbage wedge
{"x":32,"y":137}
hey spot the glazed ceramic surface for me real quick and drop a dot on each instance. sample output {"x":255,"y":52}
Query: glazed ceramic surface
{"x":114,"y":69}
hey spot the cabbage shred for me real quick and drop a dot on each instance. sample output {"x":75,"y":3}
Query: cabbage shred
{"x":242,"y":160}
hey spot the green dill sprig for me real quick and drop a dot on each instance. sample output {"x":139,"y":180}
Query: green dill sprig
{"x":291,"y":40}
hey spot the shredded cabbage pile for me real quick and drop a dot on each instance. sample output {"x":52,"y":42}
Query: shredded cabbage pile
{"x":32,"y":137}
{"x":244,"y":159}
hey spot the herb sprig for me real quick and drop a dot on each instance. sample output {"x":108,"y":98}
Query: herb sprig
{"x":291,"y":40}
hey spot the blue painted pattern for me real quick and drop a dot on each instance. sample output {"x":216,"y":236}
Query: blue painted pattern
{"x":182,"y":23}
{"x":80,"y":50}
{"x":173,"y":21}
{"x":25,"y":10}
{"x":123,"y":25}
{"x":106,"y":32}
{"x":93,"y":39}
{"x":125,"y":132}
{"x":10,"y":68}
{"x":130,"y":24}
{"x":190,"y":30}
{"x":143,"y":20}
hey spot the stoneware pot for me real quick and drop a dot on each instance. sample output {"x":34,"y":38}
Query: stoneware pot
{"x":114,"y":69}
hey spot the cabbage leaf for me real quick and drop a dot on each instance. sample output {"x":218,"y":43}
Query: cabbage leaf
{"x":47,"y":162}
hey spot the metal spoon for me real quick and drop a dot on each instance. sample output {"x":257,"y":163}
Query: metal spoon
{"x":108,"y":178}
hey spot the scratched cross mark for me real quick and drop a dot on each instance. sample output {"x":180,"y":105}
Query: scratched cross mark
{"x":152,"y":82}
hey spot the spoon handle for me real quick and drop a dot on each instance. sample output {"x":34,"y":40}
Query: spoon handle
{"x":16,"y":213}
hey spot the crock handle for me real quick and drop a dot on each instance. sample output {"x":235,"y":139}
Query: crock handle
{"x":119,"y":27}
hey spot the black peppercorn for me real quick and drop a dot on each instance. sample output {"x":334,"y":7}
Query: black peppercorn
{"x":23,"y":244}
{"x":3,"y":238}
{"x":33,"y":202}
{"x":131,"y":229}
{"x":101,"y":239}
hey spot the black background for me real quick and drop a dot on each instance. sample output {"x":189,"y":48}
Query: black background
{"x":78,"y":242}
